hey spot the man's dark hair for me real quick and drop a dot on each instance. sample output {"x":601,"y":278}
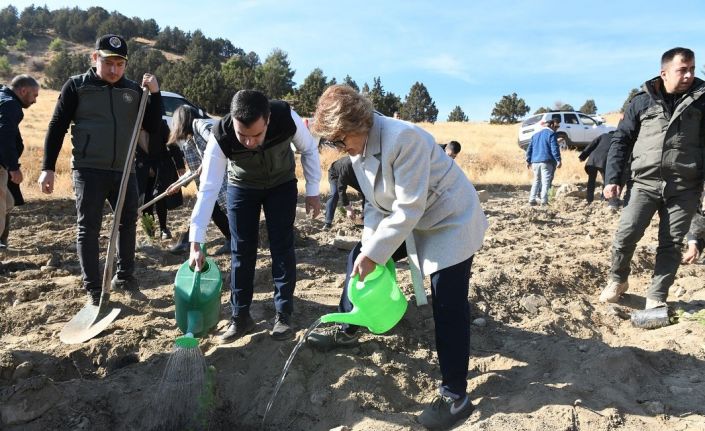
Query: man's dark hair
{"x":248,"y":106}
{"x":668,"y":56}
{"x":21,"y":81}
{"x":454,"y":146}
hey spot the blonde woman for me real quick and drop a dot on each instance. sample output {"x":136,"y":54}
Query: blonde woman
{"x":416,"y":196}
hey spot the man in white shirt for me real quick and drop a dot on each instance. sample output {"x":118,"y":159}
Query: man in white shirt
{"x":253,"y":142}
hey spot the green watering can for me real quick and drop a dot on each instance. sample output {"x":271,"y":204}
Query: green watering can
{"x":378,"y":303}
{"x":197,"y":298}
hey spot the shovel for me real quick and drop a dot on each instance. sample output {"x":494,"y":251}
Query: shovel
{"x":92,"y":319}
{"x":180,"y":182}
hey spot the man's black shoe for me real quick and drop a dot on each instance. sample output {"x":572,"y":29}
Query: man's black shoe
{"x":239,"y":326}
{"x":93,"y":297}
{"x":282,"y":327}
{"x":128,"y":284}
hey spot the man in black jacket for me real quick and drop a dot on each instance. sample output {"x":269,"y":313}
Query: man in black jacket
{"x":340,"y":176}
{"x":664,"y":130}
{"x":22,"y":93}
{"x":102,"y":107}
{"x":596,"y":155}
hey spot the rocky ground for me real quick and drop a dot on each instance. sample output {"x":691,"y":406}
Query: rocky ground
{"x":545,"y":354}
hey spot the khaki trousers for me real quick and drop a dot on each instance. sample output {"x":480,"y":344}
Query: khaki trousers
{"x":7,"y":202}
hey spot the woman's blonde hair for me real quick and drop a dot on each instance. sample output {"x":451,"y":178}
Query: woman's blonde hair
{"x":340,"y":111}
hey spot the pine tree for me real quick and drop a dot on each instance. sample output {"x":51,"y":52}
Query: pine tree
{"x":418,"y":105}
{"x":457,"y":115}
{"x":351,"y":83}
{"x":274,"y":75}
{"x":633,"y":92}
{"x":589,"y":107}
{"x":308,"y":93}
{"x":508,"y":110}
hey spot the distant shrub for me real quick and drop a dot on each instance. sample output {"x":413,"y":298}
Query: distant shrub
{"x":5,"y":68}
{"x":36,"y":65}
{"x":21,"y":44}
{"x":56,"y":45}
{"x":3,"y":47}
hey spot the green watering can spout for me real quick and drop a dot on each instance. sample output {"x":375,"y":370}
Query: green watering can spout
{"x":378,"y":303}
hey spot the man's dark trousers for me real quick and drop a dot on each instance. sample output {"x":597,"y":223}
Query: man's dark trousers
{"x":92,"y":188}
{"x":675,"y":210}
{"x":244,"y":208}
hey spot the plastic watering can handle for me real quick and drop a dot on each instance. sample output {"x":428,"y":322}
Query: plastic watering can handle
{"x":196,"y":290}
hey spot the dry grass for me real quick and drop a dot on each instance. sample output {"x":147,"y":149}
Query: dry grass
{"x":490,"y":154}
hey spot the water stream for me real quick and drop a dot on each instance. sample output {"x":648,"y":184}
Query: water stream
{"x":286,"y":368}
{"x":177,"y":401}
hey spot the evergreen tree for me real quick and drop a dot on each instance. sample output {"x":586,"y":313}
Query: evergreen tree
{"x":144,"y":59}
{"x":351,"y":83}
{"x":418,"y":105}
{"x":508,"y":110}
{"x":205,"y":89}
{"x":274,"y":76}
{"x":365,"y":89}
{"x":308,"y":93}
{"x":457,"y":115}
{"x":8,"y":21}
{"x":34,"y":20}
{"x":239,"y":72}
{"x":542,"y":110}
{"x":589,"y":107}
{"x":63,"y":66}
{"x":633,"y":92}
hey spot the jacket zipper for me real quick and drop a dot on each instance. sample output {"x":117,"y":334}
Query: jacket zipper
{"x":112,"y":112}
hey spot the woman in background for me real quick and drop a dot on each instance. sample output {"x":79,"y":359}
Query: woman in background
{"x":191,"y":134}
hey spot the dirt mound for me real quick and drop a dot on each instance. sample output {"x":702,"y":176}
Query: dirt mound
{"x":545,"y":354}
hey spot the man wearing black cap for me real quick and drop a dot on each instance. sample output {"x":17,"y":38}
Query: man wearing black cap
{"x":101,"y":105}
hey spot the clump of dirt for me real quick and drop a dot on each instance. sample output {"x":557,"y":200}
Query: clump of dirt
{"x":545,"y":354}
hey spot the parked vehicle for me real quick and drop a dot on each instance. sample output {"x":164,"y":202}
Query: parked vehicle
{"x":172,"y":101}
{"x":576,"y":129}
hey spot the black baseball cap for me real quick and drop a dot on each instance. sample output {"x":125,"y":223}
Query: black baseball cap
{"x":111,"y":45}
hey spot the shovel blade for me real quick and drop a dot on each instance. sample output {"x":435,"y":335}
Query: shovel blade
{"x":87,"y":323}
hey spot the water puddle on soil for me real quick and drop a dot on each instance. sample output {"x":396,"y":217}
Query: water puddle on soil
{"x":286,"y":368}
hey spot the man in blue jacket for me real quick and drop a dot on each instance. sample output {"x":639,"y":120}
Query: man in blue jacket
{"x":543,"y":156}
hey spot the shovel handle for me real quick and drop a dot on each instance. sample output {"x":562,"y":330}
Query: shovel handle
{"x":120,"y":202}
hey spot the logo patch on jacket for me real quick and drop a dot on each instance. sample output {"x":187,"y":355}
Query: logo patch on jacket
{"x":127,"y":97}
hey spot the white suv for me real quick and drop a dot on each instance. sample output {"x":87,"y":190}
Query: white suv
{"x":576,"y":129}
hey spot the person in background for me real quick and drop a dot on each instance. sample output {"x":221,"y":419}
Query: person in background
{"x":417,"y":199}
{"x":20,"y":94}
{"x":663,"y":131}
{"x":452,"y":148}
{"x":253,"y":142}
{"x":596,"y":156}
{"x":543,"y":156}
{"x":191,"y":135}
{"x":102,"y":106}
{"x":340,"y":176}
{"x":158,"y":166}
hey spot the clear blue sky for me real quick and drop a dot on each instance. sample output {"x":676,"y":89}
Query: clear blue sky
{"x":467,"y":53}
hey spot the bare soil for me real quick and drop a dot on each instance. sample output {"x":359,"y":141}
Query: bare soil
{"x":550,"y":357}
